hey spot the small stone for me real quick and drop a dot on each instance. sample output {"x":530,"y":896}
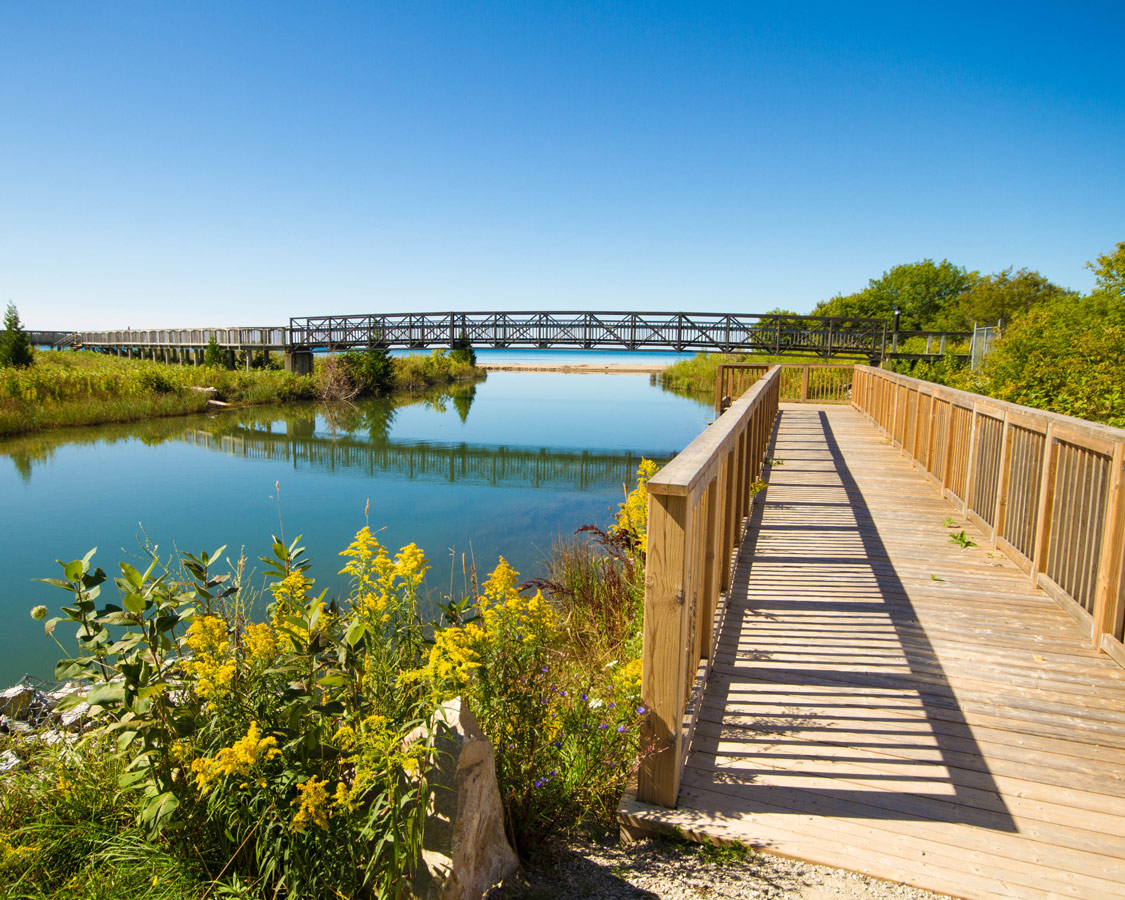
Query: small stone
{"x":9,"y":762}
{"x":75,"y":719}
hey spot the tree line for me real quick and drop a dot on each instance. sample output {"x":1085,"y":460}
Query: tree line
{"x":1059,"y":349}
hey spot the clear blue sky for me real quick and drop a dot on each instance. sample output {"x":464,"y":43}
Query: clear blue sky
{"x":215,"y":163}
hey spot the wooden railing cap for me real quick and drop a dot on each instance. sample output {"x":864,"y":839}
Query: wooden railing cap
{"x":694,"y":465}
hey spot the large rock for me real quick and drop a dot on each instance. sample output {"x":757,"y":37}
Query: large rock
{"x":465,"y":851}
{"x":16,"y":701}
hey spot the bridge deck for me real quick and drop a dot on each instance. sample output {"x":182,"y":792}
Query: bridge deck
{"x":885,"y":701}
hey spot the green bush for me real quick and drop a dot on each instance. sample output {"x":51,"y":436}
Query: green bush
{"x":1064,"y":354}
{"x":279,"y":751}
{"x":15,"y":345}
{"x":214,"y":356}
{"x":370,"y":370}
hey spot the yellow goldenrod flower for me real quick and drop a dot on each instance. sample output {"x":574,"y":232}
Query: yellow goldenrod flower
{"x":238,"y":759}
{"x":213,"y":671}
{"x":261,"y":644}
{"x":312,"y":803}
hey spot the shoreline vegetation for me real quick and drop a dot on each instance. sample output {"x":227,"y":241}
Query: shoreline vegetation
{"x":235,"y":756}
{"x":76,"y":388}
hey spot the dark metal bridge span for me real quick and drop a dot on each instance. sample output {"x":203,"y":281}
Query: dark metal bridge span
{"x":679,"y":331}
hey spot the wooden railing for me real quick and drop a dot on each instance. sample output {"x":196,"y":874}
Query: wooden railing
{"x":1047,"y":489}
{"x":696,"y":507}
{"x":799,"y":383}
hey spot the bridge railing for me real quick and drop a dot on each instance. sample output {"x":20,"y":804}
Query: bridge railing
{"x":256,"y":337}
{"x":799,"y":383}
{"x":1047,"y":489}
{"x":709,"y":332}
{"x":696,"y":507}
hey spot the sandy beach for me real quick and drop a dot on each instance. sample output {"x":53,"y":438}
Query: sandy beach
{"x":575,"y":368}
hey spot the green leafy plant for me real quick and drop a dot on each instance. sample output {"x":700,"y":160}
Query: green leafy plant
{"x":962,"y":539}
{"x":290,"y":752}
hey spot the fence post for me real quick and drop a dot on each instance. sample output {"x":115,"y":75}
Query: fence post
{"x":1107,"y":590}
{"x":664,"y":655}
{"x":1046,"y":502}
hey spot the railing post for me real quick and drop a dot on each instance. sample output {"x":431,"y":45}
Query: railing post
{"x":971,"y":475}
{"x":719,"y":385}
{"x":1107,"y":590}
{"x":664,"y":654}
{"x":805,"y":383}
{"x":999,"y":519}
{"x":1046,"y":502}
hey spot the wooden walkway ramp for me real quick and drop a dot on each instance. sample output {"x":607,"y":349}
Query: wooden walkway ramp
{"x":883,"y":700}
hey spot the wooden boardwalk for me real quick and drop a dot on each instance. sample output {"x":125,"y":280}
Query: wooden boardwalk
{"x":886,"y":701}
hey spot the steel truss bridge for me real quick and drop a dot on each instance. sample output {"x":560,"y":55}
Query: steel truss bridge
{"x":678,"y":331}
{"x":525,"y":467}
{"x":773,"y":333}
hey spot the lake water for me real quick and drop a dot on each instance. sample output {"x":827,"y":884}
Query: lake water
{"x":504,"y":467}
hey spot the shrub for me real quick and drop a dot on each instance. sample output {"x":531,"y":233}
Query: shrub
{"x":370,"y":370}
{"x":15,"y":345}
{"x":462,"y":350}
{"x":214,"y":356}
{"x":278,"y":751}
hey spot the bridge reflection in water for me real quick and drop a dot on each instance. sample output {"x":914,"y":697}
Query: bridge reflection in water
{"x":499,"y":466}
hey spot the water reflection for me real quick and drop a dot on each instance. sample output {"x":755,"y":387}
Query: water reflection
{"x":355,"y":438}
{"x":501,"y":468}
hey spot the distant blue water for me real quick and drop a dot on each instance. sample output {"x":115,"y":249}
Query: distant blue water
{"x":564,"y":357}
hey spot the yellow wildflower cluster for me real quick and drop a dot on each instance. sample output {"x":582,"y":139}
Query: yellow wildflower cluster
{"x":14,"y":858}
{"x":312,"y":802}
{"x":237,"y":759}
{"x":381,"y":582}
{"x":453,"y":657}
{"x":504,"y":609}
{"x":628,"y":677}
{"x":291,"y":592}
{"x":209,"y":662}
{"x":261,"y":644}
{"x":632,"y":515}
{"x":505,"y":617}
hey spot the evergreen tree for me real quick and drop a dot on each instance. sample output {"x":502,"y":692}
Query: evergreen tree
{"x":15,"y":345}
{"x":214,"y":355}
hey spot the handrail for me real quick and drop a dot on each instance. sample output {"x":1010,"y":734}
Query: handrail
{"x":696,"y":507}
{"x":256,"y":336}
{"x":811,"y":383}
{"x":1047,"y":489}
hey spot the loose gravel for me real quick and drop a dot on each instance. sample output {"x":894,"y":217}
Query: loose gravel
{"x":671,"y":870}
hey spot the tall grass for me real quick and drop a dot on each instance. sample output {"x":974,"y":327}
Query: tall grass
{"x":695,"y":377}
{"x":85,"y":388}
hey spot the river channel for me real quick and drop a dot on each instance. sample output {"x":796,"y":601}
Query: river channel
{"x":504,"y":467}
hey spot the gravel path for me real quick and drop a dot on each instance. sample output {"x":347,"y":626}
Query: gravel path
{"x":675,"y":871}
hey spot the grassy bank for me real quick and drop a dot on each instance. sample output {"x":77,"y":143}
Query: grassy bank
{"x":695,"y":377}
{"x":236,"y":759}
{"x":65,"y":389}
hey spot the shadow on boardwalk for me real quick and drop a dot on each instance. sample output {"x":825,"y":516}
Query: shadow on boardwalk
{"x":841,"y":664}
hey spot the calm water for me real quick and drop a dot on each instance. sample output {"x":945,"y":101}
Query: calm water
{"x":502,"y":468}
